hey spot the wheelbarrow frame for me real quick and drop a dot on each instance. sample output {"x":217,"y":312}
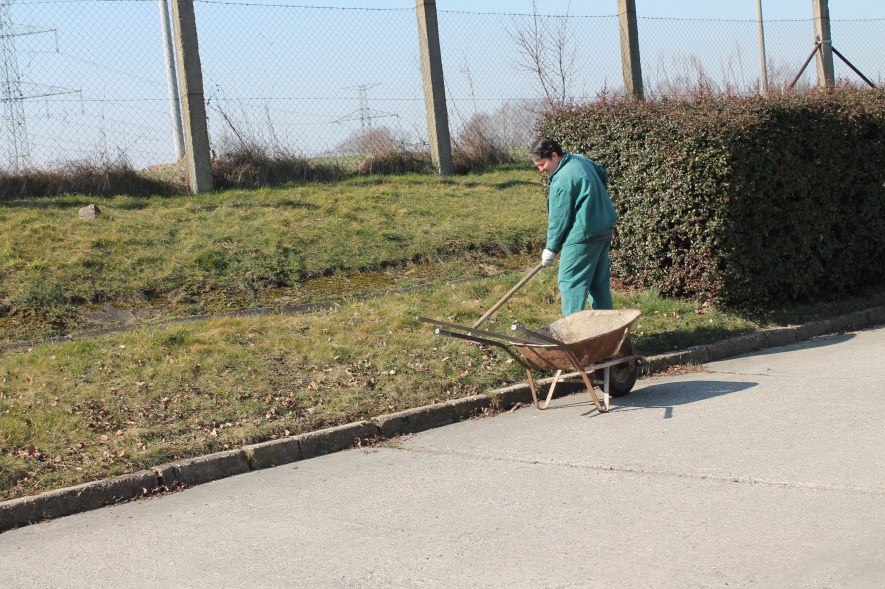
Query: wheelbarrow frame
{"x":531,"y":340}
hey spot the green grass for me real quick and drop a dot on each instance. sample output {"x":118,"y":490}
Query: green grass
{"x":95,"y":407}
{"x":205,"y":254}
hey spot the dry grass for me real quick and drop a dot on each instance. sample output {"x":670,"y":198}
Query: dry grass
{"x":253,"y":165}
{"x":99,"y":178}
{"x":395,"y":162}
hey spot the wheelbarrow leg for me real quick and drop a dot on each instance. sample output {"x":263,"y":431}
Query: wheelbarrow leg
{"x":601,"y":407}
{"x":552,"y":388}
{"x":534,"y":391}
{"x":591,"y":390}
{"x":605,"y":387}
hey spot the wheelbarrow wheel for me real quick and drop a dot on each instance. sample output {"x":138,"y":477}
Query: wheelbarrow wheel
{"x":622,"y":377}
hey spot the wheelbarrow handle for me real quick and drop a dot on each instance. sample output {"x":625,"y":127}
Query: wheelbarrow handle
{"x":509,"y":294}
{"x":474,"y":331}
{"x":486,"y":341}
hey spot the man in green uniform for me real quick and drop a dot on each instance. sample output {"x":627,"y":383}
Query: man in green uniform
{"x":580,"y":217}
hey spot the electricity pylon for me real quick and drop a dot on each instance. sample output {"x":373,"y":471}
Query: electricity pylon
{"x":365,"y":114}
{"x":12,"y":94}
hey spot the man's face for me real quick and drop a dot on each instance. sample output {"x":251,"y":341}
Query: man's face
{"x":547,"y":165}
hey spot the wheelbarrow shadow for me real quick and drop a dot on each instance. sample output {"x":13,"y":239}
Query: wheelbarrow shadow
{"x":670,"y":394}
{"x":664,"y":396}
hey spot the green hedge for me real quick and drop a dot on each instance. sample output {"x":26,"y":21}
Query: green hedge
{"x":745,"y":201}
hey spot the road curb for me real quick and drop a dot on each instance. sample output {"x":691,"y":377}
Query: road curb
{"x":60,"y":502}
{"x":202,"y":469}
{"x":19,"y":512}
{"x":335,"y":439}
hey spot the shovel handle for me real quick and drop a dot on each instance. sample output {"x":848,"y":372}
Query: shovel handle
{"x":509,"y":294}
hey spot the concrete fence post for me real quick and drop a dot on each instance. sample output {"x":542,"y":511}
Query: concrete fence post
{"x":821,"y":14}
{"x":434,"y":87}
{"x":630,"y":50}
{"x":190,"y":76}
{"x":763,"y":68}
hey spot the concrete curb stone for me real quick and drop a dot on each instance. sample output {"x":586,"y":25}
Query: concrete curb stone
{"x":415,"y":420}
{"x":693,"y":355}
{"x":876,"y":316}
{"x":203,"y":469}
{"x":813,"y":329}
{"x":68,"y":501}
{"x":735,"y":346}
{"x":334,"y":439}
{"x":272,"y":453}
{"x":509,"y":396}
{"x":849,"y":321}
{"x":467,"y":407}
{"x":779,"y":336}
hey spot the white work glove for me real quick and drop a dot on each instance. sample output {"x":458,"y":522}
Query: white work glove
{"x":547,"y":257}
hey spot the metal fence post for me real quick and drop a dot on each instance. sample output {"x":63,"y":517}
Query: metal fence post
{"x":821,"y":13}
{"x":190,"y":75}
{"x":630,"y":49}
{"x":171,"y":80}
{"x":434,"y":87}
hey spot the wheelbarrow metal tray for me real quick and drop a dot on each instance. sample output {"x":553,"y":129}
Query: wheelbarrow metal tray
{"x":591,"y":336}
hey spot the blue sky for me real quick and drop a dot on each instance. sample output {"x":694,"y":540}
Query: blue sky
{"x":103,"y":73}
{"x":705,"y":9}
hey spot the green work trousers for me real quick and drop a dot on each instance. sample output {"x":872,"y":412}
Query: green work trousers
{"x":584,"y":273}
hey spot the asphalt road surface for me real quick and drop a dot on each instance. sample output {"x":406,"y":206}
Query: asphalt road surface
{"x":766,"y":470}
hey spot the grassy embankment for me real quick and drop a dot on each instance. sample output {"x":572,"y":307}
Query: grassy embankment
{"x":100,"y":406}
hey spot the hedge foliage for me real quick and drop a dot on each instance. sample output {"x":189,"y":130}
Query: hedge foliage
{"x":747,"y":201}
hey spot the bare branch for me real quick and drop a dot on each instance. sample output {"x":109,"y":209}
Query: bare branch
{"x":545,"y":51}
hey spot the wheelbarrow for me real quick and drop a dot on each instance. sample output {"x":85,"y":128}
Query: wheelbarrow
{"x":588,"y":342}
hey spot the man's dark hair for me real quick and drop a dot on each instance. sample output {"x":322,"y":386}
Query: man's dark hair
{"x":544,"y":147}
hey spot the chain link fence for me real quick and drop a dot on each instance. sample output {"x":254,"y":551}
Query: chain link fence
{"x":87,"y":80}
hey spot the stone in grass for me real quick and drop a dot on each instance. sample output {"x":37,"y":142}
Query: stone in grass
{"x":89,"y":212}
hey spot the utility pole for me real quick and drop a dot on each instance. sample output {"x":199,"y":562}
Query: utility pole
{"x":763,"y":69}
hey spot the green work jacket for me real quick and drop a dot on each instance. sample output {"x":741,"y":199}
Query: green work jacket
{"x":579,"y":208}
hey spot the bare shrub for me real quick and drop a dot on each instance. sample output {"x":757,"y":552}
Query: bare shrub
{"x":395,"y":162}
{"x":249,"y":159}
{"x":253,"y":165}
{"x":375,"y":141}
{"x":477,"y":147}
{"x":384,"y":153}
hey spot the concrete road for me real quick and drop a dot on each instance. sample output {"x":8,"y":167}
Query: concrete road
{"x":761,"y":471}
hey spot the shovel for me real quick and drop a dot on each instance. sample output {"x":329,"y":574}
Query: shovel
{"x":509,"y":294}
